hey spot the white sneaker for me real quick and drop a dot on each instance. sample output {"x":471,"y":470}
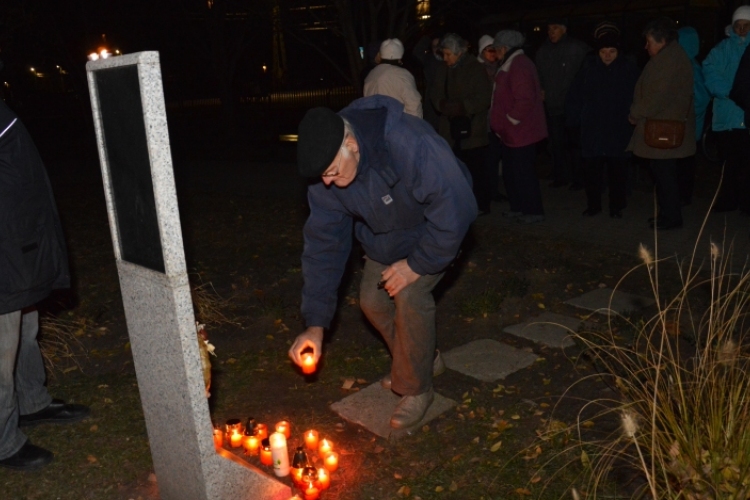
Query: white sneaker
{"x":411,"y":410}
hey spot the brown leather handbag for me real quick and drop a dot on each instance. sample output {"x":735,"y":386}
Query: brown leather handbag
{"x":666,"y":134}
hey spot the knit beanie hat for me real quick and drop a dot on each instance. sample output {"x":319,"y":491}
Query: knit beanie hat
{"x":562,"y":21}
{"x":509,"y":38}
{"x":319,"y":137}
{"x":742,"y":12}
{"x":606,"y":34}
{"x":392,"y":49}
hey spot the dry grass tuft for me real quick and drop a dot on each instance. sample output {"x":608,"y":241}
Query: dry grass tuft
{"x":210,"y":307}
{"x":58,"y":341}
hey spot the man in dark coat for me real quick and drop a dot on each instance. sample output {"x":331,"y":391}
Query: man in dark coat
{"x":387,"y":178}
{"x":599,"y":103}
{"x":33,"y":262}
{"x":558,"y":61}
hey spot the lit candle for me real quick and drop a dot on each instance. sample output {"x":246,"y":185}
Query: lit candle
{"x":218,"y":438}
{"x":236,"y":439}
{"x":311,"y":492}
{"x":284,"y":428}
{"x":331,"y":461}
{"x":265,"y":453}
{"x":279,"y":454}
{"x":251,"y":444}
{"x":325,"y":448}
{"x":324,"y":479}
{"x":261,"y":430}
{"x":311,"y":439}
{"x":308,"y":363}
{"x":234,"y":425}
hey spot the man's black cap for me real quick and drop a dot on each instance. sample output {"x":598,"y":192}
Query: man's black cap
{"x":558,"y":20}
{"x":320,"y":134}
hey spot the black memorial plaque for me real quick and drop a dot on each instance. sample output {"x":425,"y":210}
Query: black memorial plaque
{"x":129,"y":166}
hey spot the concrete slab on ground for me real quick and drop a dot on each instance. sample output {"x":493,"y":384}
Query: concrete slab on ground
{"x":604,"y":300}
{"x":550,"y":329}
{"x":373,"y":406}
{"x":487,"y":360}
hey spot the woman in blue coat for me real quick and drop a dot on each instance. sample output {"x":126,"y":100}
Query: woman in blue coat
{"x":599,"y":100}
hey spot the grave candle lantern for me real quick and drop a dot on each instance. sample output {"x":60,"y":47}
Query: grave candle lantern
{"x":284,"y":428}
{"x":308,"y":363}
{"x":279,"y":454}
{"x":261,"y":430}
{"x":325,"y":448}
{"x":324,"y":479}
{"x":234,"y":425}
{"x":299,"y":462}
{"x":311,"y":439}
{"x":218,"y":438}
{"x":251,"y":444}
{"x":265,"y":452}
{"x":311,"y":492}
{"x":331,"y":462}
{"x":235,"y":439}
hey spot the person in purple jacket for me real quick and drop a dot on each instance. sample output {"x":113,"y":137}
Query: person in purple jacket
{"x":392,"y":181}
{"x":517,"y":118}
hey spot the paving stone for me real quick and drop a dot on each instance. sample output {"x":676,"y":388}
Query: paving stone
{"x":550,"y":329}
{"x":602,"y":301}
{"x":373,"y":406}
{"x":487,"y":360}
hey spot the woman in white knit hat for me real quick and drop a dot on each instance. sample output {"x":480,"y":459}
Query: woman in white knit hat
{"x":391,"y":79}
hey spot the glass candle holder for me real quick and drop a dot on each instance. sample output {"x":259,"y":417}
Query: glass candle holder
{"x":265,"y":453}
{"x":331,"y":461}
{"x":284,"y":428}
{"x":311,"y":439}
{"x":261,"y":430}
{"x":308,"y":363}
{"x":218,"y":438}
{"x":324,"y":479}
{"x":251,"y":445}
{"x":325,"y":448}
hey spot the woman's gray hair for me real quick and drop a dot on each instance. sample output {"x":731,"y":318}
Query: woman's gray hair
{"x":509,"y":38}
{"x":454,"y":43}
{"x":348,"y":132}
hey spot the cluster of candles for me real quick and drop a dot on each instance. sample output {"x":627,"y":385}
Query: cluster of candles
{"x":273,"y":451}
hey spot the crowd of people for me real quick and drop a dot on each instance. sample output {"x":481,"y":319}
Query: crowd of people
{"x":595,"y":108}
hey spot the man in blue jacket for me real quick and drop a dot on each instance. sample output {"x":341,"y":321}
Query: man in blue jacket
{"x":719,"y":69}
{"x":394,"y":181}
{"x":33,"y":262}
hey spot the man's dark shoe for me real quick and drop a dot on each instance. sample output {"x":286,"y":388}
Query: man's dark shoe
{"x":56,"y":413}
{"x":28,"y":458}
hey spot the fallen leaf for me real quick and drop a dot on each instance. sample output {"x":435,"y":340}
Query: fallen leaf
{"x":541,"y":306}
{"x":588,"y":424}
{"x":92,"y":459}
{"x":453,"y":486}
{"x":269,"y":337}
{"x":107,"y":401}
{"x":475,"y":440}
{"x":361,"y":381}
{"x":396,"y":475}
{"x":544,"y":405}
{"x":585,"y":459}
{"x":70,"y":369}
{"x":496,"y":446}
{"x":102,"y":386}
{"x":523,"y":491}
{"x":439,"y":489}
{"x":94,"y":428}
{"x":535,"y":479}
{"x":378,"y":449}
{"x":231,"y":361}
{"x":456,"y":458}
{"x":546,"y":381}
{"x":152,"y":478}
{"x":348,"y":383}
{"x":403,"y":491}
{"x":426,"y":428}
{"x":466,"y":395}
{"x":516,"y":417}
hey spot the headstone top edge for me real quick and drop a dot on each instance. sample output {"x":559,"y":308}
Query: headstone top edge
{"x":146,"y":57}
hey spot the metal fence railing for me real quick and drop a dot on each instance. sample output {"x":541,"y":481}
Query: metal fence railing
{"x":334,"y":98}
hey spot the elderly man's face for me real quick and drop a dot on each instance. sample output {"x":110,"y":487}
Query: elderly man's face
{"x":741,"y":27}
{"x":555,"y":32}
{"x":653,"y":47}
{"x":343,"y":169}
{"x":450,"y":57}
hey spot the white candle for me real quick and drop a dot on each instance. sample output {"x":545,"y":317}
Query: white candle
{"x":279,"y":454}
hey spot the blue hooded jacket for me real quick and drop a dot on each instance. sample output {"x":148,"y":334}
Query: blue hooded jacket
{"x":411,"y":199}
{"x":690,"y":42}
{"x":719,"y":69}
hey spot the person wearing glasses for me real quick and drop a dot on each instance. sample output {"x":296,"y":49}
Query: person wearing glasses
{"x":389,"y":179}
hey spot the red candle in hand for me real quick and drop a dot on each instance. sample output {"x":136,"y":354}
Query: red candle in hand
{"x":308,"y":363}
